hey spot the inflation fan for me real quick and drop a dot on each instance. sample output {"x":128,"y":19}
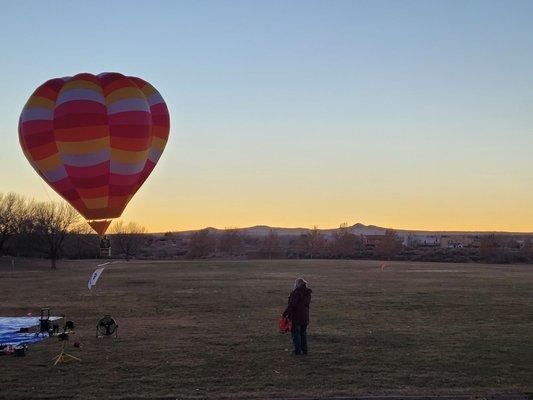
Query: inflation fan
{"x":106,"y":326}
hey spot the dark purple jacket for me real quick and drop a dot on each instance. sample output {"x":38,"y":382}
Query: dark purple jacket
{"x":298,"y":308}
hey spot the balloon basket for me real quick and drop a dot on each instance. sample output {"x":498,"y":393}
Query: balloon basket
{"x":105,"y":252}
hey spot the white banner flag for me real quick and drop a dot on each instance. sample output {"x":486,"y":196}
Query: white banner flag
{"x":94,"y":277}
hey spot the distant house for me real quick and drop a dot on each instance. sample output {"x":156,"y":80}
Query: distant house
{"x":459,"y":241}
{"x":371,"y":241}
{"x":428,"y":240}
{"x":451,"y":242}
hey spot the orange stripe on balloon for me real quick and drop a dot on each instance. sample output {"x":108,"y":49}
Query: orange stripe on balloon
{"x":83,"y":147}
{"x":129,"y":157}
{"x":92,"y":193}
{"x":49,"y":163}
{"x":103,"y":213}
{"x":38,"y":101}
{"x":82,"y":84}
{"x":148,"y":90}
{"x":131,"y":144}
{"x":124,"y":93}
{"x":95,"y":203}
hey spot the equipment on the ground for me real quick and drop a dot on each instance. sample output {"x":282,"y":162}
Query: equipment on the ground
{"x":20,"y":351}
{"x":45,"y":324}
{"x":69,"y":326}
{"x":63,"y":337}
{"x":63,"y":356}
{"x":24,"y":330}
{"x":106,"y":326}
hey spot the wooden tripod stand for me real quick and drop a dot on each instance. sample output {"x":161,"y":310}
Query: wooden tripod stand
{"x":63,"y":356}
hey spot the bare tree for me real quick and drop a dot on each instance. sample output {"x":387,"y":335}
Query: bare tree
{"x":128,"y":238}
{"x":491,"y":249}
{"x":312,"y":244}
{"x":344,"y":244}
{"x":389,"y":246}
{"x":412,"y":241}
{"x":270,"y":245}
{"x":230,"y":242}
{"x":13,"y":210}
{"x":316,"y":243}
{"x":51,"y":224}
{"x":201,"y":244}
{"x":526,"y":251}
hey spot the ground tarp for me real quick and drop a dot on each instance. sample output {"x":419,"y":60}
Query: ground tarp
{"x":10,"y":326}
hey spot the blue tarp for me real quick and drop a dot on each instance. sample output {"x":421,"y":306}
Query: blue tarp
{"x":10,"y":326}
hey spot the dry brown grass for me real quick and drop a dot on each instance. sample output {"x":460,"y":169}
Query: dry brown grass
{"x":208,"y":329}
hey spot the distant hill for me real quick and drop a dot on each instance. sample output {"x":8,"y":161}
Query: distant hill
{"x":358,"y":229}
{"x":262,"y":230}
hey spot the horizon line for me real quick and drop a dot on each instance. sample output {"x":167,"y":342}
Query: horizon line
{"x":434,"y":231}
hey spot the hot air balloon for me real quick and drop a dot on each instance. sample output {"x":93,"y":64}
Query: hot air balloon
{"x":95,"y":139}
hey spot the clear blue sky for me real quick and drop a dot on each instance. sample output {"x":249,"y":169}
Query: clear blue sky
{"x":412,"y":114}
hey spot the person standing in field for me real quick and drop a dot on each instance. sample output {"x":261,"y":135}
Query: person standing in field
{"x":298,"y":312}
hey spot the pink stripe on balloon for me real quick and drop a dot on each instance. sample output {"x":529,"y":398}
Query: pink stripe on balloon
{"x":32,"y":127}
{"x":80,"y":107}
{"x":82,"y":172}
{"x":130,"y":118}
{"x":119,"y":179}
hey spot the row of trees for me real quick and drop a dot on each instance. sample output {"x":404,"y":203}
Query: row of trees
{"x":502,"y":250}
{"x":341,"y":244}
{"x":231,"y":242}
{"x":345,"y":244}
{"x":54,"y":229}
{"x":27,"y":226}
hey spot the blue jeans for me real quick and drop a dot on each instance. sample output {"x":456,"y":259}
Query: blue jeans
{"x":299,"y":339}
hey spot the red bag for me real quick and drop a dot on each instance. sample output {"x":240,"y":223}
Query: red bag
{"x":285,"y":325}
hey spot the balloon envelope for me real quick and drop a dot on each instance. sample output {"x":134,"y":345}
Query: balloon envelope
{"x":95,"y":139}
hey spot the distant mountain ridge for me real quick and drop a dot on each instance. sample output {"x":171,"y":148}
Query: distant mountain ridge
{"x":358,"y":229}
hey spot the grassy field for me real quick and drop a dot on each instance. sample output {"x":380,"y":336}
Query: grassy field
{"x":209,"y":329}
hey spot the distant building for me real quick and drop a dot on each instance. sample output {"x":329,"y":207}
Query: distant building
{"x":372,"y":241}
{"x":459,"y":241}
{"x":428,"y":240}
{"x":451,"y":242}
